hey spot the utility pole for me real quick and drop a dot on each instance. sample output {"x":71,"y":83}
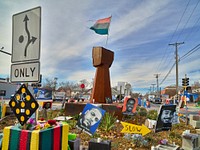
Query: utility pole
{"x":157,"y":84}
{"x":177,"y":60}
{"x":153,"y":87}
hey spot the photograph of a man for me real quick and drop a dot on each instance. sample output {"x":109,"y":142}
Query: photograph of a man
{"x":165,"y":117}
{"x":130,"y":105}
{"x":90,"y":118}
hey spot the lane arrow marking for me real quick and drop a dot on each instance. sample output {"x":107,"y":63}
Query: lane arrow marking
{"x":30,"y":40}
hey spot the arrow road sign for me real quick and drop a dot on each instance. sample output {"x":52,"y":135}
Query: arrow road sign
{"x":132,"y":128}
{"x":26,"y":35}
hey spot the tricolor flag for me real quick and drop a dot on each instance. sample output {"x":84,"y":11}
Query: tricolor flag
{"x":102,"y":26}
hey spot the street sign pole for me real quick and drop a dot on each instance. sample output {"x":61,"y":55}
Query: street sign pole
{"x":25,"y":61}
{"x":26,"y":46}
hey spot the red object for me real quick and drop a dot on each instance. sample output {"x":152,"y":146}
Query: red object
{"x":82,"y":86}
{"x":167,"y":101}
{"x":23,"y":140}
{"x":52,"y":122}
{"x":57,"y":136}
{"x":42,"y":119}
{"x":134,"y":105}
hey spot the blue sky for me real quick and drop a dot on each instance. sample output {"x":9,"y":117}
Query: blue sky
{"x":140,"y":34}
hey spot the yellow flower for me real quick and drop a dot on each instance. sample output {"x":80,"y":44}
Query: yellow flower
{"x":37,"y":127}
{"x":46,"y":125}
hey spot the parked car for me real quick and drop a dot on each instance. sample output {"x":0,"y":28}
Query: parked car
{"x":157,"y":100}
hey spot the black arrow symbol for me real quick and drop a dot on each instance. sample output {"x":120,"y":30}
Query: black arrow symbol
{"x":32,"y":39}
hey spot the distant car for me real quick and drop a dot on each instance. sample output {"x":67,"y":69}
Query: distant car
{"x":156,"y":100}
{"x":151,"y":99}
{"x":71,"y":100}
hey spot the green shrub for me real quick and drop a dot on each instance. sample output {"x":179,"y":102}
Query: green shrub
{"x":173,"y":135}
{"x":108,"y":121}
{"x":76,"y":117}
{"x":142,"y":111}
{"x":152,"y":114}
{"x":71,"y":123}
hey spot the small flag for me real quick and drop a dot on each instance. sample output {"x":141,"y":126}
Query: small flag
{"x":102,"y":26}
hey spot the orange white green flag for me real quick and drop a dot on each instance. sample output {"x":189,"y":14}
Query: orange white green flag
{"x":102,"y":26}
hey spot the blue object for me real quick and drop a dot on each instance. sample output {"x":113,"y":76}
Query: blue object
{"x":35,"y":90}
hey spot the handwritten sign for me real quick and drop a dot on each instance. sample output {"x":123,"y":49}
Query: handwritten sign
{"x":131,"y":128}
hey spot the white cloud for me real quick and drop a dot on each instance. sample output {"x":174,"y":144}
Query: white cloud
{"x":139,"y":34}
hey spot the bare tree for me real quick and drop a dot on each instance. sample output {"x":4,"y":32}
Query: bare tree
{"x":68,"y":85}
{"x":50,"y":83}
{"x":196,"y":85}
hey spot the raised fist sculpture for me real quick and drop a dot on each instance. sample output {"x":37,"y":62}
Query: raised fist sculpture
{"x":102,"y":60}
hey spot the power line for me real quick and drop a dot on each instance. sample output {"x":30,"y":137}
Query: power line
{"x":173,"y":36}
{"x":188,"y":20}
{"x":190,"y":52}
{"x":181,"y":58}
{"x":168,"y":73}
{"x":188,"y":35}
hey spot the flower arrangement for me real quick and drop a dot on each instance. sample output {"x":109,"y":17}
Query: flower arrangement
{"x":40,"y":125}
{"x":45,"y":125}
{"x":30,"y":124}
{"x":163,"y":141}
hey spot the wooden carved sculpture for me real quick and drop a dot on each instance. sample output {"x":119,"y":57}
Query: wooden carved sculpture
{"x":102,"y":60}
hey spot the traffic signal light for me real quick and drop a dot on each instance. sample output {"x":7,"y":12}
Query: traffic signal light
{"x":36,"y":85}
{"x":185,"y":81}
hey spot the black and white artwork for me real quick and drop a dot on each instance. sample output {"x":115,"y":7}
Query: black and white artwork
{"x":166,"y":116}
{"x":90,"y":118}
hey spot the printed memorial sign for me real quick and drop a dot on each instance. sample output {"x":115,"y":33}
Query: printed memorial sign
{"x":129,"y":106}
{"x":165,"y":117}
{"x":90,"y":118}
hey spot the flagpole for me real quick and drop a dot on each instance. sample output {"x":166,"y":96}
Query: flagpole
{"x":108,"y":33}
{"x":107,"y":40}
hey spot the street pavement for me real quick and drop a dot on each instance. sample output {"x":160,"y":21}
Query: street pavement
{"x":191,"y":108}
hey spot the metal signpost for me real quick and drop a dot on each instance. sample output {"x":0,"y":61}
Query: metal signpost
{"x":26,"y":46}
{"x":26,"y":28}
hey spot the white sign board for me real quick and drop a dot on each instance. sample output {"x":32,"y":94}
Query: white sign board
{"x":25,"y":72}
{"x":59,"y":94}
{"x":121,"y":87}
{"x":26,"y":35}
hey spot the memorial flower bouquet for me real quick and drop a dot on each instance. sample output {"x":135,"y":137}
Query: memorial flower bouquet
{"x":39,"y":125}
{"x":30,"y":124}
{"x":45,"y":125}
